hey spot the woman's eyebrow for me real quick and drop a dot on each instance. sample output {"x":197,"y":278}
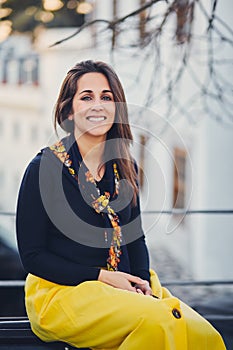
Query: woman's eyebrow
{"x":90,"y":91}
{"x":104,"y":91}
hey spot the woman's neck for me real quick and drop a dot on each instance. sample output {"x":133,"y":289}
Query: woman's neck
{"x":91,"y":149}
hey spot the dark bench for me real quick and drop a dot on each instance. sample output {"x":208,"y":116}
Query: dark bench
{"x":16,"y":333}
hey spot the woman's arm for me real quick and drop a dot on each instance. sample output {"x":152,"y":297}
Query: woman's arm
{"x":137,"y":249}
{"x":32,"y":224}
{"x":139,"y":258}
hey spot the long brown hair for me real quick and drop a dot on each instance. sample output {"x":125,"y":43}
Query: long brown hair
{"x":120,"y":131}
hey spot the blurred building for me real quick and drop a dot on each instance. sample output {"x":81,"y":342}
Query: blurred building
{"x":183,"y":168}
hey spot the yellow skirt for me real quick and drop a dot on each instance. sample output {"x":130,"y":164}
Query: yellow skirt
{"x":96,"y":315}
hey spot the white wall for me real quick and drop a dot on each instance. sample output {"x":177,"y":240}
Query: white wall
{"x":212,"y":237}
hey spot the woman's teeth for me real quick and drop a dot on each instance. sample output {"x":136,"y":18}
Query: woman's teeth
{"x":96,"y":119}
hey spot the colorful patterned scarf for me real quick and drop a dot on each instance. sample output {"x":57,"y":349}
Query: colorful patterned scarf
{"x":100,"y":203}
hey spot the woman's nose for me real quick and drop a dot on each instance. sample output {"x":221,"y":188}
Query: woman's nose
{"x":97,"y":106}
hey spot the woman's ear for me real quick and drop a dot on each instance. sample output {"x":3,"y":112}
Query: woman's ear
{"x":71,"y":117}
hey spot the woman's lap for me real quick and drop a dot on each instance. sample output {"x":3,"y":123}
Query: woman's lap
{"x":97,"y":315}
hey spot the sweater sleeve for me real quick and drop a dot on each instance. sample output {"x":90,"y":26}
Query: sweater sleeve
{"x":139,"y":258}
{"x":137,"y":249}
{"x":32,"y":225}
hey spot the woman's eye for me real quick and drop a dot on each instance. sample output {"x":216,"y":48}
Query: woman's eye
{"x":107,"y":98}
{"x":86,"y":98}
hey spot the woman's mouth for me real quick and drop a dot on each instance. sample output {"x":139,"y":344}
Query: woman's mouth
{"x":96,"y":119}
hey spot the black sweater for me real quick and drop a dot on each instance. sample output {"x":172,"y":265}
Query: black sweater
{"x":60,"y":237}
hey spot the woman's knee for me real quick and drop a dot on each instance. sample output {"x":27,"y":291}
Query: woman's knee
{"x":160,"y":310}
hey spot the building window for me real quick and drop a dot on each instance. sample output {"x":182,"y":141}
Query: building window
{"x":20,"y":70}
{"x":29,"y":68}
{"x":179,"y":181}
{"x":4,"y":71}
{"x":12,"y":71}
{"x":1,"y":70}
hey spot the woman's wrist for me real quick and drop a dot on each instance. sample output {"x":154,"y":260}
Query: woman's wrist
{"x":103,"y":275}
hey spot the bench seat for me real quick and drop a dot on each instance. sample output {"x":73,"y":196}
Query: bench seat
{"x":16,"y":333}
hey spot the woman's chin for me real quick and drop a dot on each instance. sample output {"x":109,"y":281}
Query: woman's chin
{"x":98,"y":130}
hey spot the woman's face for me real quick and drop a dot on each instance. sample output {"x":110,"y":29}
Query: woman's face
{"x":93,"y":106}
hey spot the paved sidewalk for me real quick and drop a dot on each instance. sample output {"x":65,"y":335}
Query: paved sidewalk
{"x":169,"y":269}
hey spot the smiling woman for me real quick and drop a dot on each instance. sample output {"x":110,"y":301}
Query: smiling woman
{"x":80,"y":235}
{"x":94,"y":88}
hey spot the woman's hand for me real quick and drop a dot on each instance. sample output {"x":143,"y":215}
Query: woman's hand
{"x":122,"y":280}
{"x":143,"y":288}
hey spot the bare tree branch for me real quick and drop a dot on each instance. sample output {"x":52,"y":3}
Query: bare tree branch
{"x":110,"y":24}
{"x":212,"y":89}
{"x":84,"y":26}
{"x":212,"y":15}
